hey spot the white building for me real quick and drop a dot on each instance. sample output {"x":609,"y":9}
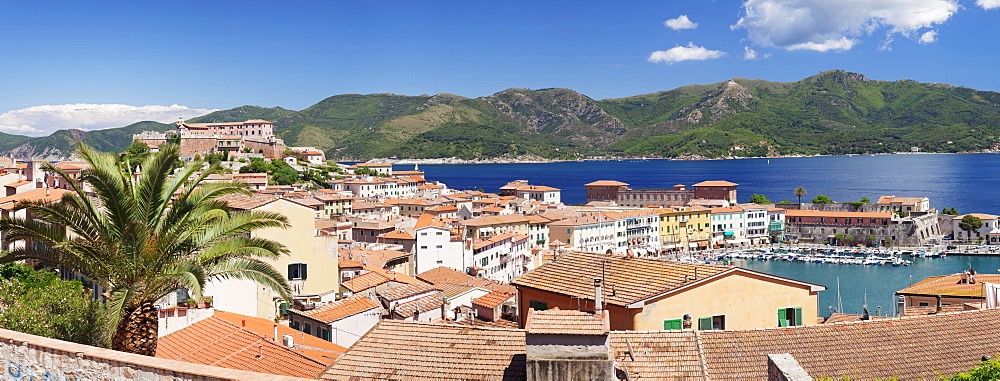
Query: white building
{"x":502,"y":257}
{"x":435,"y":246}
{"x":756,"y":219}
{"x":990,"y":224}
{"x":342,"y":322}
{"x":729,"y":227}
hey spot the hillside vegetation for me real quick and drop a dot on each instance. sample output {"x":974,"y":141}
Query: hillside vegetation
{"x":834,"y":112}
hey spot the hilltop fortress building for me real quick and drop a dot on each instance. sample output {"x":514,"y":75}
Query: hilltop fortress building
{"x":255,"y":135}
{"x":680,"y":195}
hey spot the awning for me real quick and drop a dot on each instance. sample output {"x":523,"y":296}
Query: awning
{"x":729,"y":233}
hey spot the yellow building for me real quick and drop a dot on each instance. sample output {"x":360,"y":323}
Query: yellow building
{"x":685,"y":228}
{"x":310,"y":268}
{"x":647,"y":294}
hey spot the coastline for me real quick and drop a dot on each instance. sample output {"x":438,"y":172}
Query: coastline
{"x":540,"y":160}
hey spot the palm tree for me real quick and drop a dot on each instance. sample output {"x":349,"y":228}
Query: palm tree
{"x":799,"y":192}
{"x":146,"y":234}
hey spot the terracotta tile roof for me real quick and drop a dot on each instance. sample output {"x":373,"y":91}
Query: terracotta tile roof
{"x":217,"y":342}
{"x":948,"y":285}
{"x":422,"y":304}
{"x":981,"y":216}
{"x":634,"y":279}
{"x":400,"y":350}
{"x":838,"y":317}
{"x":789,"y":213}
{"x":657,"y":355}
{"x":931,"y":310}
{"x":443,"y":208}
{"x":536,"y":188}
{"x":405,"y":291}
{"x":605,"y":183}
{"x":493,"y":299}
{"x":496,"y":220}
{"x":495,"y":239}
{"x":320,"y":350}
{"x":364,"y":281}
{"x":448,"y":275}
{"x":348,"y":263}
{"x":715,"y":184}
{"x":923,"y":347}
{"x":426,"y":220}
{"x":394,"y":276}
{"x":245,"y":202}
{"x":397,"y":234}
{"x":567,"y":322}
{"x":450,"y":290}
{"x":478,"y":322}
{"x":340,"y":309}
{"x":41,"y":194}
{"x":19,"y":183}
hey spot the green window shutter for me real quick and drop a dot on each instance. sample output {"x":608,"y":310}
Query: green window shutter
{"x":672,"y":324}
{"x":705,"y":324}
{"x":798,"y":315}
{"x":782,"y":317}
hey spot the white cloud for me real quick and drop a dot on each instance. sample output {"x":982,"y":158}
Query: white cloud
{"x":43,"y":120}
{"x":988,"y":4}
{"x":749,"y":54}
{"x":843,"y":43}
{"x":682,"y":22}
{"x":684,"y":53}
{"x":928,"y":37}
{"x":825,"y":25}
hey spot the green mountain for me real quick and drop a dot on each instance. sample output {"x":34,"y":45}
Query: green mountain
{"x":834,"y":112}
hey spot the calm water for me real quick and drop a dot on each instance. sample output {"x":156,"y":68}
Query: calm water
{"x":967,"y":182}
{"x":963,"y":181}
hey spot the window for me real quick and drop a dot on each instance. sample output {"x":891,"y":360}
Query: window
{"x":307,"y":328}
{"x":297,"y":271}
{"x":538,"y":306}
{"x":716,"y":322}
{"x":423,"y":247}
{"x":440,"y":233}
{"x":789,"y":316}
{"x":923,"y":304}
{"x":295,"y":324}
{"x":672,"y":324}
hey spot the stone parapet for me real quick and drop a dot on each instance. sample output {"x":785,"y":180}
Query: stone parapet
{"x":26,"y":357}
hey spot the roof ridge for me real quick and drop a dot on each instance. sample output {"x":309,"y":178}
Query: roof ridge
{"x":264,"y":339}
{"x":405,"y":322}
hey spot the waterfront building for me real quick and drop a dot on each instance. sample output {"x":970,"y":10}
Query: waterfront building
{"x":729,"y":227}
{"x":820,"y":226}
{"x":648,"y":294}
{"x":776,"y":224}
{"x":903,"y":204}
{"x":521,"y":189}
{"x":757,"y":222}
{"x":679,"y":195}
{"x":990,"y":228}
{"x":685,"y":228}
{"x":637,"y":231}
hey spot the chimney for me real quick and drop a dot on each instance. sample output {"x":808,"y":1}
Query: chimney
{"x":939,"y":309}
{"x":275,"y":330}
{"x":445,"y":308}
{"x":598,"y":296}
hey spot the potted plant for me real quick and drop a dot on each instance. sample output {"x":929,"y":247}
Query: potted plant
{"x":206,"y":302}
{"x":191,"y":303}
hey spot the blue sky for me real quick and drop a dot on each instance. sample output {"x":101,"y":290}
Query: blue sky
{"x":105,"y":58}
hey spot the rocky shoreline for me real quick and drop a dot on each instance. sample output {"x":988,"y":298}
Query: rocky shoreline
{"x":536,"y":159}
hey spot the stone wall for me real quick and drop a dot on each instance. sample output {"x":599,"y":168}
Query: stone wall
{"x":30,"y":357}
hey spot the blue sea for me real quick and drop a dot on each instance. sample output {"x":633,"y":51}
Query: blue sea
{"x":965,"y":181}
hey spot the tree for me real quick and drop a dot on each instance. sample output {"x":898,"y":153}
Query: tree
{"x":821,"y":199}
{"x":799,"y":192}
{"x":145,"y":235}
{"x":283,"y":174}
{"x":759,"y":199}
{"x":136,"y":152}
{"x":952,"y":211}
{"x":970,"y":223}
{"x":39,"y":303}
{"x":866,"y":200}
{"x":986,"y":370}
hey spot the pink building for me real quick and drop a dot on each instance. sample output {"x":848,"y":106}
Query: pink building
{"x":252,"y":127}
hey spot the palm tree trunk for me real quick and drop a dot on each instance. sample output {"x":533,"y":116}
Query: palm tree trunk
{"x":137,"y":331}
